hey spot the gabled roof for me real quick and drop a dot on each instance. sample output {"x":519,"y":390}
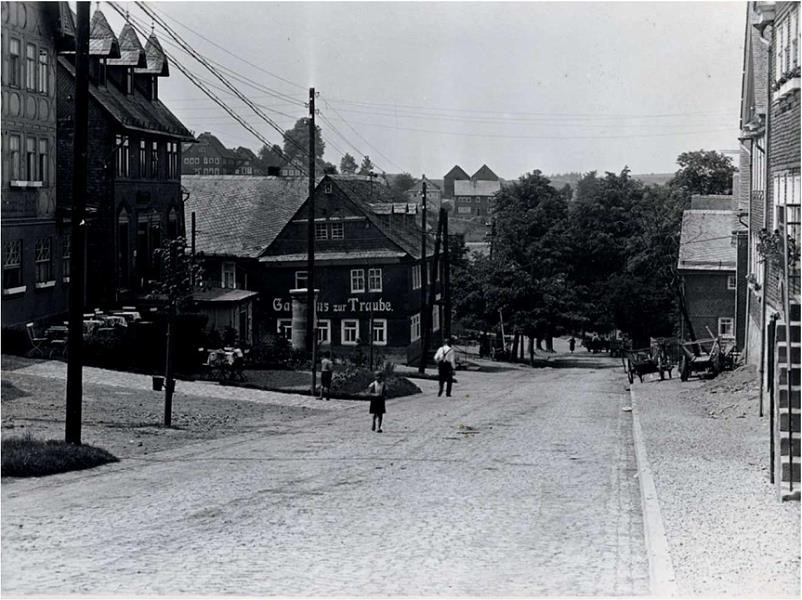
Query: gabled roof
{"x":484,"y":174}
{"x":476,"y":188}
{"x":456,"y":172}
{"x":705,"y":240}
{"x":102,"y":41}
{"x":134,"y":111}
{"x":212,"y":141}
{"x":244,"y":153}
{"x":156,"y":59}
{"x":132,"y":54}
{"x":240,"y":215}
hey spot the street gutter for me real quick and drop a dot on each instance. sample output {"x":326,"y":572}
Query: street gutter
{"x":662,"y":581}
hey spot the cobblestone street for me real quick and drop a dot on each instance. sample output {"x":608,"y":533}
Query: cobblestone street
{"x":523,"y":483}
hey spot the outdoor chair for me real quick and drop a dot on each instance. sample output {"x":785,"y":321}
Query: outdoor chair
{"x":38,"y":343}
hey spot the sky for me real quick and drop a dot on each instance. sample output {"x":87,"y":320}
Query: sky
{"x":423,"y":86}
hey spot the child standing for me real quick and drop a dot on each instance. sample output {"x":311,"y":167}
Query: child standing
{"x":377,"y":395}
{"x":326,"y":373}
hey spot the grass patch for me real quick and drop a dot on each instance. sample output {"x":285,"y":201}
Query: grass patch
{"x":27,"y":457}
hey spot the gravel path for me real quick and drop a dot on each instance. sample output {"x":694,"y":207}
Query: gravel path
{"x":708,"y":449}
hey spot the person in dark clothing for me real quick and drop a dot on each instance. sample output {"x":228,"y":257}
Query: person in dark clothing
{"x":571,"y":344}
{"x":446,"y":360}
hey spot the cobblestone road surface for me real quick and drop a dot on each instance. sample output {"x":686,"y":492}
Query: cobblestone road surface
{"x":523,"y":483}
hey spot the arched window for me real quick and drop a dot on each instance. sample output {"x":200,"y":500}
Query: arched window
{"x":123,"y":253}
{"x":172,"y":224}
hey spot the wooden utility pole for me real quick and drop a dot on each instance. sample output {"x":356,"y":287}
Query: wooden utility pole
{"x":446,"y":275}
{"x":78,"y":228}
{"x":435,"y":266}
{"x":424,"y":332}
{"x":172,"y":272}
{"x":311,"y":309}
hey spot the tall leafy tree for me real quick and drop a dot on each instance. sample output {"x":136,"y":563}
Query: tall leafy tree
{"x":296,"y":143}
{"x":367,"y":166}
{"x":348,"y":164}
{"x":704,"y":172}
{"x":401,"y":183}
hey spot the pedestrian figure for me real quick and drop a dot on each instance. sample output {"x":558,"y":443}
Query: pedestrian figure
{"x":571,"y":344}
{"x":377,"y":395}
{"x":446,"y":360}
{"x":326,"y":373}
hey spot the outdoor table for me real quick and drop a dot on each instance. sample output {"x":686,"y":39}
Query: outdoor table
{"x":225,"y":363}
{"x":114,"y":320}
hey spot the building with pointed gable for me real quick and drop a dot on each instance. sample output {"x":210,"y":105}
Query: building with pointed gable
{"x":208,"y":156}
{"x":253,"y":232}
{"x":134,"y":161}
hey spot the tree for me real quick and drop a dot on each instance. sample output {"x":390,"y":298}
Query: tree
{"x":296,"y":144}
{"x":704,"y":172}
{"x":348,"y":164}
{"x":179,"y":278}
{"x":401,"y":183}
{"x":366,"y":168}
{"x":269,"y":157}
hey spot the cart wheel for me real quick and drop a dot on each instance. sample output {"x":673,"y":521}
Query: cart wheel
{"x":683,"y":369}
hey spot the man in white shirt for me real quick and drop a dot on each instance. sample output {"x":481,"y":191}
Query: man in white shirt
{"x":446,"y":360}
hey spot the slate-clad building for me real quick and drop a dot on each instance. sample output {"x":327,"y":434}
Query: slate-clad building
{"x":134,"y":195}
{"x":366,"y":258}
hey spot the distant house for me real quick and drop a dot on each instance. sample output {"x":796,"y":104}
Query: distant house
{"x":208,"y":156}
{"x":434,"y":193}
{"x":252,"y":233}
{"x":246,"y":162}
{"x":455,"y":174}
{"x":707,"y":268}
{"x":474,"y":198}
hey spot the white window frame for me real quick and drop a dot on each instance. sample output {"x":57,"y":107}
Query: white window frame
{"x":43,"y":262}
{"x":324,"y":331}
{"x":416,"y":279}
{"x":732,"y":282}
{"x":12,"y":261}
{"x":352,"y":327}
{"x":380,"y":328}
{"x":436,"y":317}
{"x":301,"y":279}
{"x":337,"y":231}
{"x":43,"y":170}
{"x":357,"y":281}
{"x":414,"y":327}
{"x":284,"y":328}
{"x":375,"y":276}
{"x":321,"y":231}
{"x":31,"y":56}
{"x":15,"y":152}
{"x":15,"y":62}
{"x":727,"y":323}
{"x":122,"y":157}
{"x":44,"y":61}
{"x":228,"y":268}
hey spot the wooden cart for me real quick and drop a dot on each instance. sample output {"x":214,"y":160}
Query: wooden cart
{"x":653,"y":359}
{"x":701,"y":356}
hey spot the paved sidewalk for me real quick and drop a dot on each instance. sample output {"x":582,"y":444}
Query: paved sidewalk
{"x":708,"y":452}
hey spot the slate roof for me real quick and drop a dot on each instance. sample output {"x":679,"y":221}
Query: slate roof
{"x":484,"y":173}
{"x":706,"y":240}
{"x":135,"y":111}
{"x":456,"y":171}
{"x":240,"y":215}
{"x":132,"y":54}
{"x":217,"y":145}
{"x":476,"y":188}
{"x":102,"y":41}
{"x":156,"y":59}
{"x":216,"y":294}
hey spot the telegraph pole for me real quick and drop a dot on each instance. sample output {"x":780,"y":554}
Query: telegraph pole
{"x":311,"y":309}
{"x":424,"y":332}
{"x":446,"y":275}
{"x":75,"y":339}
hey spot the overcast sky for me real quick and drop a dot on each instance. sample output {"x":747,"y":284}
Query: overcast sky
{"x":422,"y":86}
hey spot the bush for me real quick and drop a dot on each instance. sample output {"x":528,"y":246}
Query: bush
{"x":26,"y":457}
{"x":352,"y":378}
{"x":273,"y":352}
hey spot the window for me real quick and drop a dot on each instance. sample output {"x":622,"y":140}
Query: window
{"x":725,"y":327}
{"x":321,"y":231}
{"x":380,"y":332}
{"x":350,"y":332}
{"x":357,"y":280}
{"x":154,"y":159}
{"x":435,"y":317}
{"x":122,"y":155}
{"x":66,"y":253}
{"x":324,"y":331}
{"x":143,"y":158}
{"x":129,"y":81}
{"x":415,"y":277}
{"x":12,"y":267}
{"x":43,"y":261}
{"x":229,"y":277}
{"x":172,"y":160}
{"x":43,"y":71}
{"x":14,"y":151}
{"x":414,"y":328}
{"x":337,"y":232}
{"x":787,"y":216}
{"x":731,"y":282}
{"x":374,"y":280}
{"x":301,"y":279}
{"x":30,"y":159}
{"x":284,"y":328}
{"x":14,"y":63}
{"x":794,"y":38}
{"x":30,"y":67}
{"x":43,"y":161}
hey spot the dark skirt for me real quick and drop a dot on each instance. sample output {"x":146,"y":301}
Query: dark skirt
{"x":325,"y":378}
{"x":377,"y":406}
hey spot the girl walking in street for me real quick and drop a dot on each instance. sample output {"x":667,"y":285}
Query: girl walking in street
{"x":377,"y":395}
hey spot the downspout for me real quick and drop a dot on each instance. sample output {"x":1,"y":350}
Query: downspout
{"x":767,"y":172}
{"x":748,"y":251}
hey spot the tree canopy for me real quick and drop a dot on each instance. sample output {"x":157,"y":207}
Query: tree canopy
{"x":348,"y":164}
{"x":704,"y":172}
